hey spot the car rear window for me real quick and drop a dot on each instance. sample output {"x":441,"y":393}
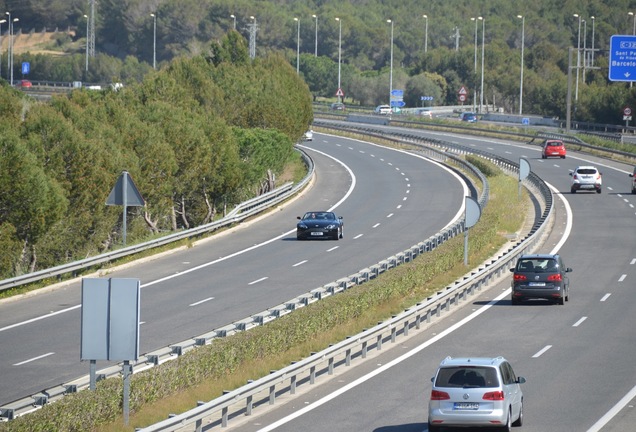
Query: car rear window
{"x":586,"y":171}
{"x":467,"y":377}
{"x":555,"y":144}
{"x":537,"y":265}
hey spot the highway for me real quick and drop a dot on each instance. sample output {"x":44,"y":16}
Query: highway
{"x":577,"y":358}
{"x":390,"y":200}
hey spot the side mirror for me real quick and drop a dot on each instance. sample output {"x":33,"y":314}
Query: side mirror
{"x":568,"y":270}
{"x":298,"y":217}
{"x":521,"y":380}
{"x":512,"y":269}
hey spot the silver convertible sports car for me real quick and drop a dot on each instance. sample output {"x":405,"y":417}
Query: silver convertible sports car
{"x":319,"y":225}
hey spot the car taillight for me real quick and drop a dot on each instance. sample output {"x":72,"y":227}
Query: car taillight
{"x":555,"y":278}
{"x":494,"y":396}
{"x":520,"y":277}
{"x":439,"y":395}
{"x":575,"y":177}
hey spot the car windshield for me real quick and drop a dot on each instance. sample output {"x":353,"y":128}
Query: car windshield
{"x":319,"y":215}
{"x":467,"y":376}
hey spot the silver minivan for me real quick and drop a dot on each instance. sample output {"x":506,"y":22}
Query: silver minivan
{"x":475,"y":392}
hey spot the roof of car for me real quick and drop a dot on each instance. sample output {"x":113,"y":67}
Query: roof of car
{"x":538,"y":256}
{"x":476,"y":361}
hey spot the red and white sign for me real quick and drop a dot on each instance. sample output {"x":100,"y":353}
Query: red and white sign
{"x":462,"y":98}
{"x":627,"y":111}
{"x":462,"y":91}
{"x":340,"y":93}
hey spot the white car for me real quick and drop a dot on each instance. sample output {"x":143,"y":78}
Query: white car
{"x":475,"y":392}
{"x":309,"y":135}
{"x":383,"y":109}
{"x":586,"y":178}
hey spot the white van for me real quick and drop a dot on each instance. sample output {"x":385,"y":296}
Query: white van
{"x":383,"y":109}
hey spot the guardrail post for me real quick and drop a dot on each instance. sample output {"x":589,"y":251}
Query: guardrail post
{"x":198,"y":425}
{"x":406,"y":328}
{"x":364,"y":349}
{"x":292,"y":384}
{"x":393,"y":333}
{"x":272,"y":391}
{"x":331,"y":365}
{"x":348,"y":357}
{"x":379,"y":343}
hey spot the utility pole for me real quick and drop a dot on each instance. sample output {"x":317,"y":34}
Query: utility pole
{"x":252,"y":28}
{"x":91,"y":30}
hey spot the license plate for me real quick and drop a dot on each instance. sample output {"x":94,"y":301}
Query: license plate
{"x":466,"y":406}
{"x":539,"y":284}
{"x":316,"y":233}
{"x":587,"y":186}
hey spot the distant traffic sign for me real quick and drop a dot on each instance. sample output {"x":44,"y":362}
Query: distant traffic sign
{"x":339,"y":92}
{"x":399,"y":104}
{"x":397,"y":93}
{"x":425,"y":98}
{"x":627,"y":111}
{"x":622,"y":61}
{"x":462,"y":91}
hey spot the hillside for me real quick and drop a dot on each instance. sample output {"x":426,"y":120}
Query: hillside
{"x":40,"y":43}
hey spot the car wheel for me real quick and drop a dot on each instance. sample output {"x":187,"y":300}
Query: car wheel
{"x":543,"y":156}
{"x":634,"y":191}
{"x":562,"y":157}
{"x":519,"y":421}
{"x":342,"y":233}
{"x":567,"y":294}
{"x":507,"y":426}
{"x":598,"y":190}
{"x":572,"y":190}
{"x":515,"y":301}
{"x":561,"y":301}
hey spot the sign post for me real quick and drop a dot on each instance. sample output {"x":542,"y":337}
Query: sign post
{"x":125,"y":193}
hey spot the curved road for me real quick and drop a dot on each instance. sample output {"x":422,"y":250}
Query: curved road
{"x":577,"y":358}
{"x":390,"y":200}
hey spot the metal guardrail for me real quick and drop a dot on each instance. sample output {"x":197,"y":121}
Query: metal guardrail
{"x":238,"y":214}
{"x":265,"y":390}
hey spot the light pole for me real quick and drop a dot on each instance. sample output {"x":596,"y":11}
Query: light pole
{"x":233,"y":19}
{"x":592,"y":56}
{"x":315,"y":17}
{"x":584,"y":49}
{"x":297,"y":46}
{"x":86,"y":66}
{"x":339,"y":53}
{"x":481,"y":88}
{"x":578,"y":59}
{"x":9,"y":46}
{"x":634,"y":26}
{"x":523,"y":36}
{"x":154,"y":41}
{"x":391,"y":64}
{"x":425,"y":33}
{"x":1,"y":22}
{"x":475,"y":70}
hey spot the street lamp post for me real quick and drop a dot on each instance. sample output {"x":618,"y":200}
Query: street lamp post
{"x":425,"y":33}
{"x":9,"y":46}
{"x":339,"y":53}
{"x":86,"y":66}
{"x":1,"y":22}
{"x":584,"y":49}
{"x":634,"y":26}
{"x":523,"y":35}
{"x":592,"y":55}
{"x":315,"y":17}
{"x":391,"y":64}
{"x":475,"y":70}
{"x":234,"y":20}
{"x":297,"y":46}
{"x":481,"y":88}
{"x":578,"y":59}
{"x":154,"y":41}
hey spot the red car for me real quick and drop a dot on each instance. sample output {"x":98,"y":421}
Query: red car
{"x":25,"y":84}
{"x":553,"y":148}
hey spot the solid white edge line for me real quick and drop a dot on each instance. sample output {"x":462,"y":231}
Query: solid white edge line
{"x":385,"y":367}
{"x":613,"y":411}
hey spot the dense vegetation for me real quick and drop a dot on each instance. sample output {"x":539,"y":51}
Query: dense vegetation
{"x":124,"y":42}
{"x":201,"y":134}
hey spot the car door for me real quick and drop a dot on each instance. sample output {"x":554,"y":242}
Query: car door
{"x":512,"y":390}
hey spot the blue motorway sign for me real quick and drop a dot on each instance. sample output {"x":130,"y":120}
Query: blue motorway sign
{"x":26,"y":67}
{"x":397,"y":93}
{"x":622,"y":61}
{"x":425,"y":98}
{"x":399,"y":104}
